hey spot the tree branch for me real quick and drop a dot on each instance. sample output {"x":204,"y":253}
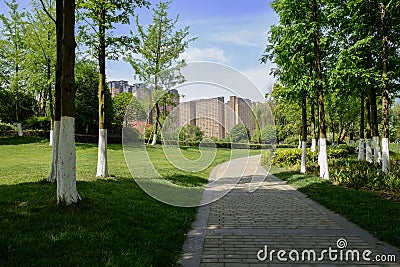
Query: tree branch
{"x":47,"y":13}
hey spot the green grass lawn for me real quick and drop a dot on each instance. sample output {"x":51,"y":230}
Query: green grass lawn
{"x":379,"y":216}
{"x":116,"y":224}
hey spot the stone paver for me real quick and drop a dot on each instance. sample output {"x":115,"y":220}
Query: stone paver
{"x":232,"y":230}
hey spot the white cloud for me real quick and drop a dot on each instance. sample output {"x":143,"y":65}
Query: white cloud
{"x":207,"y":54}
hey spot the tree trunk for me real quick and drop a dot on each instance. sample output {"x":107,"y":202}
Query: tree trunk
{"x":102,"y":166}
{"x":323,"y":156}
{"x":67,"y":192}
{"x":303,"y":168}
{"x":313,"y":140}
{"x":57,"y":92}
{"x":361,"y":143}
{"x":368,"y":149}
{"x":50,"y":100}
{"x":385,"y":95}
{"x":157,"y":123}
{"x":374,"y":122}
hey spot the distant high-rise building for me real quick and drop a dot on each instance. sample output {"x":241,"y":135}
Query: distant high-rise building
{"x":137,"y":89}
{"x":242,"y":113}
{"x":210,"y":116}
{"x":216,"y":118}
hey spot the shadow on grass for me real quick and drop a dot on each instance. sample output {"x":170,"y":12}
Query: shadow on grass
{"x":186,"y":180}
{"x":379,"y":216}
{"x":116,"y":224}
{"x":20,"y":140}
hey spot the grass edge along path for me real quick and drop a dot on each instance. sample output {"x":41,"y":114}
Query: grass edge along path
{"x":378,"y":216}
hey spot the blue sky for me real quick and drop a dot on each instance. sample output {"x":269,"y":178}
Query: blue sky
{"x":229,"y":32}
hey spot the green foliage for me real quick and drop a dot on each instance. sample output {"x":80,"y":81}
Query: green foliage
{"x":37,"y":123}
{"x":361,"y":174}
{"x":159,"y":45}
{"x":239,"y":133}
{"x":291,"y":157}
{"x":130,"y":135}
{"x":26,"y":105}
{"x":5,"y":127}
{"x":395,"y":123}
{"x":120,"y":103}
{"x":291,"y":140}
{"x":106,"y":15}
{"x":86,"y":104}
{"x":190,"y":133}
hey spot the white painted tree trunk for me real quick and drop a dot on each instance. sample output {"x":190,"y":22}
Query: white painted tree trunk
{"x":377,"y":149}
{"x":319,"y":153}
{"x":53,"y":170}
{"x":368,"y":151}
{"x":313,"y":145}
{"x":66,"y":169}
{"x":361,"y":150}
{"x":323,"y":159}
{"x":154,"y":140}
{"x":303,"y":156}
{"x":51,"y":137}
{"x":102,"y":165}
{"x":20,"y":133}
{"x":385,"y":155}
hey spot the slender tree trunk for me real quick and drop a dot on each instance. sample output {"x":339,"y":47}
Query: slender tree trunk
{"x":67,"y":192}
{"x":313,"y":140}
{"x":16,"y":82}
{"x":50,"y":99}
{"x":385,"y":95}
{"x":157,"y":70}
{"x":323,"y":156}
{"x":156,"y":124}
{"x":368,"y":149}
{"x":102,"y":164}
{"x":57,"y":92}
{"x":374,"y":122}
{"x":361,"y":143}
{"x":303,"y":168}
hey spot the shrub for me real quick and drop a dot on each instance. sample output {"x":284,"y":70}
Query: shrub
{"x":291,"y":140}
{"x":37,"y":123}
{"x":130,"y":135}
{"x":4,"y":127}
{"x":361,"y":174}
{"x":288,"y":157}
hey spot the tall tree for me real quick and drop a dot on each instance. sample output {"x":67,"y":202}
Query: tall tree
{"x":390,"y":33}
{"x":292,"y":48}
{"x":40,"y":61}
{"x":13,"y":47}
{"x":159,"y":47}
{"x":67,"y":192}
{"x":55,"y":135}
{"x":102,"y":17}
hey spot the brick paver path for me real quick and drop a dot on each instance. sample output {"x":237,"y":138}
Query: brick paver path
{"x":232,"y":230}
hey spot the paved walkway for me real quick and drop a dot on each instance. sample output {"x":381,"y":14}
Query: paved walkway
{"x":233,"y":230}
